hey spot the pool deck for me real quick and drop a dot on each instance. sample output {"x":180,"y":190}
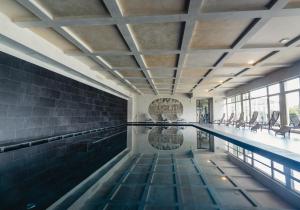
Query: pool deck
{"x":263,"y":142}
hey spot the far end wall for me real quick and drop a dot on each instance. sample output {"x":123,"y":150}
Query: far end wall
{"x":142,"y":103}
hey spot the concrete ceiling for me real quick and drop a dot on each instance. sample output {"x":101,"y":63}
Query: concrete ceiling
{"x":170,"y":46}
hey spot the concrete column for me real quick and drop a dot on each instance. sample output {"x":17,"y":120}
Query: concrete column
{"x":282,"y":104}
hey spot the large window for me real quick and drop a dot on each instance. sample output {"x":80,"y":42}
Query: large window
{"x":292,"y":89}
{"x":266,"y":100}
{"x":259,"y":103}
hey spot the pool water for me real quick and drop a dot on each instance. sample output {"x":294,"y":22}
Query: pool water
{"x":35,"y":177}
{"x":171,"y":167}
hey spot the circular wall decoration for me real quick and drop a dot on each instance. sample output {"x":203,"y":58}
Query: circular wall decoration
{"x":171,"y":108}
{"x":165,"y":138}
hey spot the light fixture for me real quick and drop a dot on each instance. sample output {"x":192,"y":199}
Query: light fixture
{"x":224,"y":178}
{"x":220,"y":81}
{"x":284,"y":40}
{"x":251,"y":62}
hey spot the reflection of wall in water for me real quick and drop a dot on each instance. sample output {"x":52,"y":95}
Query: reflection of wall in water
{"x":163,"y":138}
{"x":171,"y":108}
{"x":205,"y":141}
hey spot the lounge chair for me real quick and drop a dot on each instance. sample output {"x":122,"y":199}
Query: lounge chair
{"x":294,"y":121}
{"x":220,"y":121}
{"x":240,"y":121}
{"x":252,"y":121}
{"x":256,"y":127}
{"x":283,"y":130}
{"x":230,"y":120}
{"x":273,"y":120}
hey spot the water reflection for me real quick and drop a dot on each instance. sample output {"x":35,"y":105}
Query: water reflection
{"x":165,"y":138}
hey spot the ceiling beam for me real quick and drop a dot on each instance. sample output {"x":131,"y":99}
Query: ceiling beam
{"x":193,"y":10}
{"x":115,"y":11}
{"x":77,"y":21}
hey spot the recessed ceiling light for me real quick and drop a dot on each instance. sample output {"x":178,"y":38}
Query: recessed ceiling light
{"x":250,"y":62}
{"x":220,"y":81}
{"x":224,"y":178}
{"x":284,"y":40}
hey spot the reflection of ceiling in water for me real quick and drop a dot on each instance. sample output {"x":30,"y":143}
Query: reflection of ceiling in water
{"x":162,"y":138}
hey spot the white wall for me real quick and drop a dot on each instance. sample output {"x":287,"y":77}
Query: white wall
{"x":218,"y":107}
{"x":142,"y":103}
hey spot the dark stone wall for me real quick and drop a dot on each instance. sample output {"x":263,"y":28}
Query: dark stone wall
{"x":35,"y":103}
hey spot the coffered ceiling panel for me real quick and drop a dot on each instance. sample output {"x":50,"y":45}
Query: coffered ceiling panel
{"x":244,"y":58}
{"x":160,"y":60}
{"x":233,"y":5}
{"x":162,"y":81}
{"x":73,"y":8}
{"x":293,"y":4}
{"x":184,"y":80}
{"x":162,"y":73}
{"x":153,"y":7}
{"x":217,"y":33}
{"x":280,"y":28}
{"x":285,"y":57}
{"x":226,"y":71}
{"x":54,"y":38}
{"x":192,"y":73}
{"x":120,"y":61}
{"x":165,"y":36}
{"x":130,"y":73}
{"x":260,"y":71}
{"x":100,"y":38}
{"x":15,"y":11}
{"x":194,"y":60}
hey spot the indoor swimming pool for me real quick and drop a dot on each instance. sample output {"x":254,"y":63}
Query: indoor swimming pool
{"x":164,"y":167}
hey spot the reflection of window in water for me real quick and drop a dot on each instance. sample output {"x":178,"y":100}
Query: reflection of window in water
{"x":205,"y":141}
{"x":165,"y":138}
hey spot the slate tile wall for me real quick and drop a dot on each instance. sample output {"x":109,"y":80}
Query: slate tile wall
{"x":35,"y":102}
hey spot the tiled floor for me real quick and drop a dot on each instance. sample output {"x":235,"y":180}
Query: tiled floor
{"x":165,"y":181}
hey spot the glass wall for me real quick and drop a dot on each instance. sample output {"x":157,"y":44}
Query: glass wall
{"x":265,"y":100}
{"x":292,"y":96}
{"x":288,"y":177}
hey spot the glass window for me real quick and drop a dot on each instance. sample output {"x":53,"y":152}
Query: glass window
{"x":261,"y":106}
{"x":274,"y":104}
{"x":292,"y":84}
{"x":246,"y":96}
{"x":238,"y":98}
{"x":230,"y":109}
{"x":246,"y":108}
{"x":273,"y":89}
{"x":292,"y":104}
{"x":231,"y":100}
{"x":278,"y":166}
{"x":279,"y":177}
{"x":258,"y":93}
{"x":238,"y":109}
{"x":295,"y":183}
